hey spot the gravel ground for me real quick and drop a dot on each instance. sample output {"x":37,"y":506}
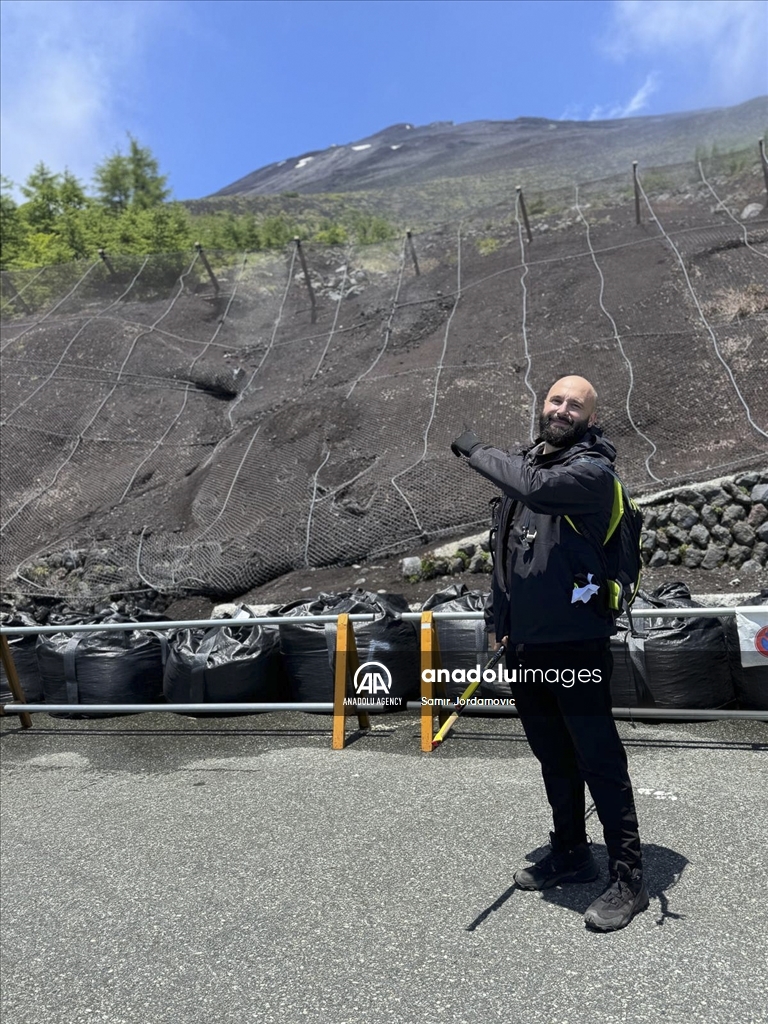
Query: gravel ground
{"x":170,"y":869}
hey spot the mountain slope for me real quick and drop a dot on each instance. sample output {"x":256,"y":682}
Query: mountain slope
{"x":405,"y":154}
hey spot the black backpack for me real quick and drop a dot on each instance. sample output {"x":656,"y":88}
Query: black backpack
{"x":622,"y":545}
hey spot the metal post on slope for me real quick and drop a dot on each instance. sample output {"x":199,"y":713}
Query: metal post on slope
{"x":413,"y":253}
{"x":207,"y":266}
{"x":300,"y":251}
{"x":106,"y":261}
{"x":764,"y":164}
{"x":637,"y":191}
{"x":525,"y":213}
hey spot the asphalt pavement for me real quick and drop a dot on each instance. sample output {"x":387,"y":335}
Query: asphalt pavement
{"x":173,"y":870}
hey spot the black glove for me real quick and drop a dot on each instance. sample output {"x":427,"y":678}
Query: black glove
{"x":465,"y":444}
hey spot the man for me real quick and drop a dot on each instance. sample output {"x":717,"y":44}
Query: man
{"x":548,"y":600}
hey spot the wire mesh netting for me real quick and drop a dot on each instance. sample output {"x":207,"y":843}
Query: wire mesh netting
{"x":170,"y":429}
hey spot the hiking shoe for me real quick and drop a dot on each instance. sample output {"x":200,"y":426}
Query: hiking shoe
{"x":624,"y":897}
{"x":559,"y":867}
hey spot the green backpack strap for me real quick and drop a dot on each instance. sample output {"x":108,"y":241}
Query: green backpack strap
{"x":616,"y":596}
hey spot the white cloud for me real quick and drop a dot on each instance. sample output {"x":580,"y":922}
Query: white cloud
{"x":69,"y":71}
{"x":727,"y":39}
{"x":637,"y":103}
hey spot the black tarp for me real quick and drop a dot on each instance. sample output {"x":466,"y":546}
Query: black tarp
{"x":628,"y":686}
{"x":223,"y":664}
{"x":101,"y":667}
{"x":25,"y":660}
{"x":688,"y":662}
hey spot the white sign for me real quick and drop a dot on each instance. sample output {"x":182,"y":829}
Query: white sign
{"x":753,"y":639}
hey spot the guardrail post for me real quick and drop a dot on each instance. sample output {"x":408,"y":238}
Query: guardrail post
{"x":525,"y":212}
{"x":413,"y":253}
{"x":310,"y":289}
{"x":430,"y":659}
{"x":13,"y":681}
{"x":207,"y":266}
{"x":637,"y":192}
{"x":346,"y":664}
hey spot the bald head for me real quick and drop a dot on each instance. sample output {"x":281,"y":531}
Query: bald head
{"x":577,"y":390}
{"x":570,"y":409}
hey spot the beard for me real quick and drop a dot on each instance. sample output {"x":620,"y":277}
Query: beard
{"x":561,"y":436}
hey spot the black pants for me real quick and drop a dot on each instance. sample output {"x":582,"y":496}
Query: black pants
{"x":562,"y":693}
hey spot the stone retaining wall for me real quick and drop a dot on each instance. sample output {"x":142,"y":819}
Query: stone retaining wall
{"x":708,"y":525}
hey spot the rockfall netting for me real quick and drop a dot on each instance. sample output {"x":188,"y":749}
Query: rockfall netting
{"x":171,"y":431}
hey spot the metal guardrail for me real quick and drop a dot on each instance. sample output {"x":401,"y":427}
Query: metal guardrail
{"x":111,"y":627}
{"x":274,"y":620}
{"x":346,"y":661}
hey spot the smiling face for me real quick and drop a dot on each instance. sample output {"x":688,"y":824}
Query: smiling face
{"x":569,"y":411}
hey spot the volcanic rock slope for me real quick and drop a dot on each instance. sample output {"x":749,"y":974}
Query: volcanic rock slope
{"x":169,"y":431}
{"x":541,"y":151}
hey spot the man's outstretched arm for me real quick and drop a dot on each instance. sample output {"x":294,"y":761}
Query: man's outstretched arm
{"x":555,"y":490}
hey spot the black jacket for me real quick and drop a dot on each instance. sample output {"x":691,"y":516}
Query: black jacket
{"x":533,"y":581}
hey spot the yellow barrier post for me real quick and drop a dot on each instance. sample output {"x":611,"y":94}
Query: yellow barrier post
{"x":13,"y":681}
{"x":346,"y":664}
{"x":430,"y":659}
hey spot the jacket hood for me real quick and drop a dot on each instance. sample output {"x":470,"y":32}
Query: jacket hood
{"x":593,"y":443}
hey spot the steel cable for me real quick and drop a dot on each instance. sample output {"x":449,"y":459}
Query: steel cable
{"x":70,"y":343}
{"x":438,"y":373}
{"x":237,"y":401}
{"x":189,"y":385}
{"x":20,"y":291}
{"x":721,"y":204}
{"x":388,"y":327}
{"x":704,"y":320}
{"x":312,"y":506}
{"x":335,"y":315}
{"x":47,"y":487}
{"x":53,"y":309}
{"x":222,"y":319}
{"x":270,"y":346}
{"x":231,"y":487}
{"x":617,"y":339}
{"x":524,"y":266}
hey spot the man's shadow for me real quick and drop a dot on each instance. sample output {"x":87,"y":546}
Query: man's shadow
{"x":662,"y":868}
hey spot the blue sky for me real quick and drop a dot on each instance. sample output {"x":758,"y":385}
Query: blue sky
{"x":219,"y":89}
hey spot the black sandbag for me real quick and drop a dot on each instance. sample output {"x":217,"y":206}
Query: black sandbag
{"x":223,"y":665}
{"x":124,"y":667}
{"x":307,"y":649}
{"x":628,"y":685}
{"x":688,"y":662}
{"x":25,"y":661}
{"x":752,"y":688}
{"x":464,"y":642}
